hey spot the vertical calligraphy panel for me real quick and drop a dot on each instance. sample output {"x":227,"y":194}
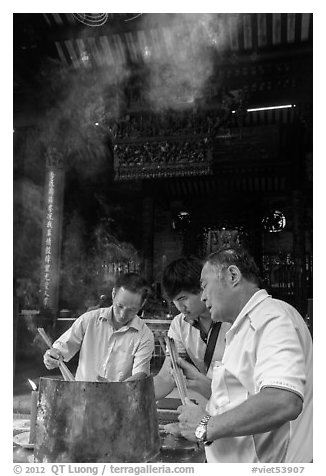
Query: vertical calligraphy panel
{"x":52,"y":232}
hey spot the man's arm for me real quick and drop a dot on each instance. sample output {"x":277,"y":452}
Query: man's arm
{"x":143,"y":355}
{"x":163,"y":381}
{"x":67,"y":345}
{"x":265,"y":411}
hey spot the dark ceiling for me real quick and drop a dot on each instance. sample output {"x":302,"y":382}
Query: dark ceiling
{"x":244,"y":48}
{"x":155,"y":60}
{"x":128,"y":37}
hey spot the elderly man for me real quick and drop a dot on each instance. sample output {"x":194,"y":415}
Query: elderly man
{"x":260,"y":410}
{"x":114,"y":343}
{"x":196,"y":337}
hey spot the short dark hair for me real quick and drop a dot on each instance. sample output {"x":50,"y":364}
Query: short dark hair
{"x":238,"y":256}
{"x":182,"y":274}
{"x":134,"y":283}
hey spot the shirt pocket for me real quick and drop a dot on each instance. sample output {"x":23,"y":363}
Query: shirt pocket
{"x":119,"y":365}
{"x":220,"y":393}
{"x":123,"y":358}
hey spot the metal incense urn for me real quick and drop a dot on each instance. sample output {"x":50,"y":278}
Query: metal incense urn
{"x":95,"y":422}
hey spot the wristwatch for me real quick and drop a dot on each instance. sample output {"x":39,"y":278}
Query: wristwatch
{"x":201,"y":430}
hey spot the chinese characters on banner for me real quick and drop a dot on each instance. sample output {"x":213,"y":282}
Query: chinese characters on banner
{"x":48,"y":238}
{"x":51,"y":246}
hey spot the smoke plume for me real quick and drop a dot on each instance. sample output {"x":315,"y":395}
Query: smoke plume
{"x":190,"y":45}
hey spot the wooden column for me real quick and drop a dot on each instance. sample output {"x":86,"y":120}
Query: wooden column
{"x":52,"y":230}
{"x":299,"y":252}
{"x":148,"y":238}
{"x":296,"y":150}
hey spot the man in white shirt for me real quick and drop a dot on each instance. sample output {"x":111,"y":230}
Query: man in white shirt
{"x":192,"y":330}
{"x":260,"y":410}
{"x":114,"y":343}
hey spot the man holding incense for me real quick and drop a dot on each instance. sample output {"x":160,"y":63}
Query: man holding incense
{"x":260,"y":410}
{"x":196,"y":337}
{"x":114,"y":343}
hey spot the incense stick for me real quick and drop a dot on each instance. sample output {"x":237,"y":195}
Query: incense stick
{"x":161,"y":341}
{"x":177,"y":372}
{"x":67,"y":375}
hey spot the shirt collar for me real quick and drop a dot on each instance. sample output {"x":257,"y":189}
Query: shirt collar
{"x":186,"y":319}
{"x":191,"y":322}
{"x":246,"y":311}
{"x":106,"y":315}
{"x":196,"y":325}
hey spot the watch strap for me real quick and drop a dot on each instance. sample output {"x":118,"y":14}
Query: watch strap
{"x":205,"y":420}
{"x":203,"y":423}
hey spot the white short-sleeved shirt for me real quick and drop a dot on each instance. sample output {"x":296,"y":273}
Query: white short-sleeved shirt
{"x":105,"y":351}
{"x":268,"y":345}
{"x":188,"y":341}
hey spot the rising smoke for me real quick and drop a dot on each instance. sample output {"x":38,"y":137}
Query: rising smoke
{"x":77,"y":106}
{"x":180,"y":53}
{"x":190,"y":45}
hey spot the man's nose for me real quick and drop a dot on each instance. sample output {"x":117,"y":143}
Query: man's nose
{"x":124,"y":312}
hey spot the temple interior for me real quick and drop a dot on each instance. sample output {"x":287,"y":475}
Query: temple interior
{"x":139,"y":138}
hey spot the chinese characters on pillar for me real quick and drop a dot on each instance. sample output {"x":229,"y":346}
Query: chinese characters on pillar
{"x":52,"y":229}
{"x":48,"y":238}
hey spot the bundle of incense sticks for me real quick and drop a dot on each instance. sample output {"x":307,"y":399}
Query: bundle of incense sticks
{"x":177,"y":372}
{"x":66,"y":374}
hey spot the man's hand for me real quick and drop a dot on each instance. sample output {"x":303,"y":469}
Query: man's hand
{"x":99,"y":378}
{"x":190,"y":416}
{"x":195,"y":379}
{"x":173,"y":429}
{"x":51,"y":358}
{"x":137,"y":376}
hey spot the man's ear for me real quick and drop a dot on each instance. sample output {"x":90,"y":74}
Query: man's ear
{"x":114,"y":292}
{"x":235,"y":274}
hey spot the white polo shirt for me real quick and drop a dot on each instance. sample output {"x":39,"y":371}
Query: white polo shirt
{"x":268,"y":345}
{"x":188,"y":341}
{"x":105,"y":351}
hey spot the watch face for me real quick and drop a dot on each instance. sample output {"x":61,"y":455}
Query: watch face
{"x":200,"y":432}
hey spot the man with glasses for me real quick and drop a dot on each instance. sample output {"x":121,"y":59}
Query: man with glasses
{"x":260,"y":410}
{"x":114,"y":343}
